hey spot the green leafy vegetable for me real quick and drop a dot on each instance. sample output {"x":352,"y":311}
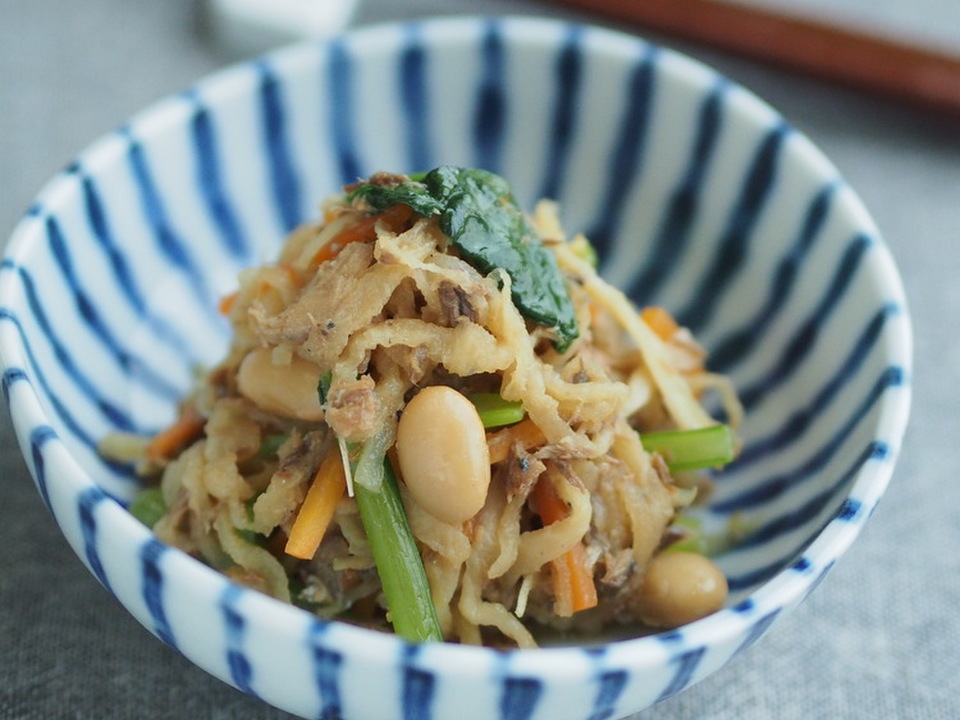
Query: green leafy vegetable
{"x":481,"y":217}
{"x":300,"y":598}
{"x":395,"y":554}
{"x":414,"y":193}
{"x":323,"y":387}
{"x":692,"y":449}
{"x":148,"y":506}
{"x":270,"y":445}
{"x":251,"y":538}
{"x":494,"y":411}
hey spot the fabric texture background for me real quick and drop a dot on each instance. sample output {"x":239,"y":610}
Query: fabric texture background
{"x":879,"y":639}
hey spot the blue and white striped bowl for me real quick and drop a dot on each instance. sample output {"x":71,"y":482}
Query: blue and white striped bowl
{"x":700,"y":198}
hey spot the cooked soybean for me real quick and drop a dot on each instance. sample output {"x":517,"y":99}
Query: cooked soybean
{"x":680,"y":587}
{"x":442,"y":452}
{"x":288,"y":390}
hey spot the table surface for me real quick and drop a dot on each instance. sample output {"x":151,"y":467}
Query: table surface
{"x":879,"y":639}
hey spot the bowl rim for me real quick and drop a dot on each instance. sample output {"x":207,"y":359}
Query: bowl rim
{"x":783,"y":590}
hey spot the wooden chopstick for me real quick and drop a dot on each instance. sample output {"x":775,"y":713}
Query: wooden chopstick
{"x":904,"y":73}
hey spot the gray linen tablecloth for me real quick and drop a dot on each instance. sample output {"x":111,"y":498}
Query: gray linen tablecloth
{"x":878,"y":640}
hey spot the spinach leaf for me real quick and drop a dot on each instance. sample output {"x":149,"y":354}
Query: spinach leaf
{"x":479,"y":214}
{"x":380,"y":197}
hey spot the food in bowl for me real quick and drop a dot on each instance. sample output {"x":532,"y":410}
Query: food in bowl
{"x":434,"y":416}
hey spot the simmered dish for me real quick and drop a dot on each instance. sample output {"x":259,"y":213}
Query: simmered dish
{"x":435,"y":418}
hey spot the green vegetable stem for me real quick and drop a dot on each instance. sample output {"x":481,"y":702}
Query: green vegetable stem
{"x":494,"y":411}
{"x":691,"y":449}
{"x":148,"y":506}
{"x":396,"y":555}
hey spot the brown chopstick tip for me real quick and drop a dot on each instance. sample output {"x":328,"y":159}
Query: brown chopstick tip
{"x":922,"y":77}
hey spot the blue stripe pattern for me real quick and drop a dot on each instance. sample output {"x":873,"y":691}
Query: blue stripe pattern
{"x":341,"y":114}
{"x":807,"y":319}
{"x":327,"y":665}
{"x":39,"y":436}
{"x":87,"y":504}
{"x":673,"y":237}
{"x":798,"y":516}
{"x":97,"y":219}
{"x":419,"y":688}
{"x":153,"y":581}
{"x":759,"y":629}
{"x":172,"y":246}
{"x":210,"y":180}
{"x":241,"y":669}
{"x":123,"y":274}
{"x":12,"y":375}
{"x":611,"y":685}
{"x":568,"y":78}
{"x":414,"y":99}
{"x":803,"y":341}
{"x":774,"y":485}
{"x":519,"y":697}
{"x":69,"y":363}
{"x":732,"y":247}
{"x":491,"y":102}
{"x":687,"y":663}
{"x":86,"y":307}
{"x":737,"y":343}
{"x":626,"y":155}
{"x":285,"y":184}
{"x":804,"y":417}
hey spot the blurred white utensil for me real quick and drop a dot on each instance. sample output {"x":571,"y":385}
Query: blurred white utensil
{"x":248,"y":27}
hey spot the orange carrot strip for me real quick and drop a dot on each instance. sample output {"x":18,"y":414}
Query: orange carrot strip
{"x":364,"y":230}
{"x":525,"y":432}
{"x":595,"y":312}
{"x":547,"y":503}
{"x":573,"y":586}
{"x":573,"y":583}
{"x":660,"y":321}
{"x":184,"y":430}
{"x":226,"y":303}
{"x":666,"y":328}
{"x":317,"y":509}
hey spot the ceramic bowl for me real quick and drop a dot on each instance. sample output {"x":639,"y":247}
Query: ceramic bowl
{"x":699,"y":197}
